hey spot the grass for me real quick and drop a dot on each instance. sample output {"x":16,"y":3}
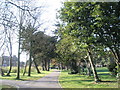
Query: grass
{"x":34,"y":76}
{"x":7,"y":87}
{"x":84,"y":81}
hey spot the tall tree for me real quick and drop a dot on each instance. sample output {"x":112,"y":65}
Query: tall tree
{"x":94,"y":23}
{"x":24,"y":14}
{"x":79,"y":23}
{"x":107,"y":25}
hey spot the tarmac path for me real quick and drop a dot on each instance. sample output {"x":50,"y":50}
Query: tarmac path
{"x":49,"y":81}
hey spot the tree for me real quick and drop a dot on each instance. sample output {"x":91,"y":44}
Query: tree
{"x":40,"y":46}
{"x":10,"y":53}
{"x":27,"y":44}
{"x":79,"y":23}
{"x":23,"y":15}
{"x":7,"y":30}
{"x":43,"y":48}
{"x":107,"y":27}
{"x":66,"y":52}
{"x":94,"y":23}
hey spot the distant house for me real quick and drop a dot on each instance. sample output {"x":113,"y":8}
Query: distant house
{"x":0,"y":61}
{"x":6,"y":61}
{"x":14,"y":60}
{"x":22,"y":64}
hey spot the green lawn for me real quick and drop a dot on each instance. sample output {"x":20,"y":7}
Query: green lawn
{"x":83,"y":81}
{"x":6,"y":86}
{"x":34,"y":76}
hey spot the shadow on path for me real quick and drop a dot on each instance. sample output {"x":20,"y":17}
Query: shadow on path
{"x":49,"y":81}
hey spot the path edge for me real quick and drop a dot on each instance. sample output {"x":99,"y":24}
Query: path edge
{"x":58,"y":80}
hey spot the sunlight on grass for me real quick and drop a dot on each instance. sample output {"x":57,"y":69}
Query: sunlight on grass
{"x":34,"y":76}
{"x":83,"y":81}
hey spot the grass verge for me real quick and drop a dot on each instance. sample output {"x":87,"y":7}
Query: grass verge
{"x":34,"y":76}
{"x":7,"y":87}
{"x":84,"y":81}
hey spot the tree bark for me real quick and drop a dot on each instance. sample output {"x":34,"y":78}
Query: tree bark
{"x":43,"y":68}
{"x":25,"y":68}
{"x":96,"y":78}
{"x":118,"y":65}
{"x":48,"y":66}
{"x":2,"y":73}
{"x":8,"y":73}
{"x":36,"y":66}
{"x":30,"y":61}
{"x":74,"y":67}
{"x":45,"y":65}
{"x":18,"y":71}
{"x":10,"y":52}
{"x":88,"y":68}
{"x":59,"y":66}
{"x":116,"y":54}
{"x":1,"y":70}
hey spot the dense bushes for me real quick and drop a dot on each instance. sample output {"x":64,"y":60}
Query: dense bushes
{"x":112,"y":68}
{"x":14,"y":69}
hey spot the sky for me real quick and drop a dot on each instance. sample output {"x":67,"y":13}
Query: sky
{"x":49,"y":15}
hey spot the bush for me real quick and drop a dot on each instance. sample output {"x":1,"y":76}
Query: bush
{"x":14,"y":70}
{"x":112,"y":68}
{"x":4,"y":70}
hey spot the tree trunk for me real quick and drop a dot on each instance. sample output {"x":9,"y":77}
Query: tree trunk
{"x":89,"y":71}
{"x":48,"y":66}
{"x":10,"y":52}
{"x":36,"y":66}
{"x":59,"y":66}
{"x":25,"y":68}
{"x":45,"y":65}
{"x":79,"y":71}
{"x":88,"y":68}
{"x":1,"y":70}
{"x":8,"y":73}
{"x":116,"y":54}
{"x":2,"y":73}
{"x":118,"y":65}
{"x":96,"y":78}
{"x":30,"y":63}
{"x":43,"y":68}
{"x":74,"y":67}
{"x":18,"y":71}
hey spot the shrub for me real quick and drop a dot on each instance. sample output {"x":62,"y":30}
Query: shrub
{"x":112,"y":68}
{"x":14,"y":70}
{"x":4,"y":70}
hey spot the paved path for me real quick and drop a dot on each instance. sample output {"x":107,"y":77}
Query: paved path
{"x":49,"y":81}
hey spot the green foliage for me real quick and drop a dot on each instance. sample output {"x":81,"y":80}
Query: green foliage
{"x":112,"y":68}
{"x":92,"y":25}
{"x":40,"y":45}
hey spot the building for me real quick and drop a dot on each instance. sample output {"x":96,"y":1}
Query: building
{"x":0,"y":61}
{"x":5,"y":61}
